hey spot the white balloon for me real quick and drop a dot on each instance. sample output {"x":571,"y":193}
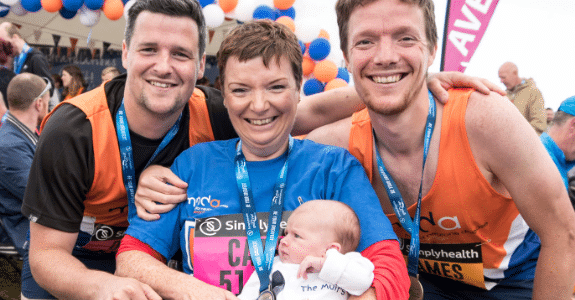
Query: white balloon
{"x":244,"y":11}
{"x":18,"y":10}
{"x":127,"y":8}
{"x":89,"y":17}
{"x":10,"y":2}
{"x":214,"y":15}
{"x":307,"y":29}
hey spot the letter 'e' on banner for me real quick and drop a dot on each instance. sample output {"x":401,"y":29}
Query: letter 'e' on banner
{"x":465,"y":24}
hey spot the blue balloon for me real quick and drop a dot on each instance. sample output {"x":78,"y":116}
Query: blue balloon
{"x":72,"y":5}
{"x":67,"y":14}
{"x":342,"y":73}
{"x":276,"y":14}
{"x":290,"y":12}
{"x":312,"y":86}
{"x":94,"y":4}
{"x":319,"y":49}
{"x":264,"y":12}
{"x":4,"y":10}
{"x":203,"y":3}
{"x":302,"y":46}
{"x":31,"y":5}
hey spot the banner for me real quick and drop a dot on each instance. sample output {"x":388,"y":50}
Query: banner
{"x":465,"y":24}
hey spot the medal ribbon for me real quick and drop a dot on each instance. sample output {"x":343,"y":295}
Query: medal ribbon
{"x":125,"y":143}
{"x":399,"y":207}
{"x":261,"y":259}
{"x":19,"y":62}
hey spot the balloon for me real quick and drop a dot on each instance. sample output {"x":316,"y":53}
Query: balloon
{"x":9,"y":2}
{"x":342,"y":73}
{"x":284,"y":4}
{"x":72,"y":5}
{"x":205,"y":3}
{"x":18,"y":10}
{"x":52,"y":5}
{"x":31,"y":5}
{"x":287,"y":21}
{"x":228,"y":5}
{"x":214,"y":15}
{"x":94,"y":4}
{"x":323,"y":34}
{"x":244,"y":11}
{"x":325,"y":71}
{"x":264,"y":12}
{"x":302,"y":46}
{"x":290,"y":12}
{"x":319,"y":49}
{"x":127,"y":6}
{"x":67,"y":14}
{"x":307,"y":30}
{"x":312,"y":86}
{"x":334,"y":84}
{"x":89,"y":17}
{"x":4,"y":10}
{"x":113,"y":9}
{"x":307,"y":65}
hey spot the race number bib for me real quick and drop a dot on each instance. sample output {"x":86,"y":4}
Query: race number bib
{"x":220,"y":250}
{"x":460,"y":262}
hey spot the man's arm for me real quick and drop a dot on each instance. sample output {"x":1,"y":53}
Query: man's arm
{"x":169,"y":283}
{"x":327,"y":107}
{"x":507,"y":150}
{"x":64,"y":276}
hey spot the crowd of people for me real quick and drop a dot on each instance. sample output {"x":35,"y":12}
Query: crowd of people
{"x":405,"y":185}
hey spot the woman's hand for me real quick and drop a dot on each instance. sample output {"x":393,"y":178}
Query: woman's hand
{"x":439,"y":83}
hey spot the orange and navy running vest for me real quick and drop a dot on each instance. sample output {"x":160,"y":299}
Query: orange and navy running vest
{"x":468,"y":231}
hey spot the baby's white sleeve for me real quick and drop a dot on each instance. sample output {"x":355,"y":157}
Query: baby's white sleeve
{"x":352,"y":272}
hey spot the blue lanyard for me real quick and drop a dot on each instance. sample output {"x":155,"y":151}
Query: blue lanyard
{"x":18,"y":63}
{"x":128,"y":169}
{"x":399,"y":207}
{"x":263,"y":265}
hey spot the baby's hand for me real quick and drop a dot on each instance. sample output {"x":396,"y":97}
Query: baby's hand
{"x":310,"y":264}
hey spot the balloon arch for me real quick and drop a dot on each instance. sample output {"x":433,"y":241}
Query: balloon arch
{"x":320,"y":73}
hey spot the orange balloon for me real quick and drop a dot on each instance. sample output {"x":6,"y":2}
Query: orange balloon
{"x":287,"y":21}
{"x":51,"y":5}
{"x":307,"y":65}
{"x":113,"y":9}
{"x":324,"y":34}
{"x":228,"y":5}
{"x":283,"y":4}
{"x":325,"y":71}
{"x":334,"y":84}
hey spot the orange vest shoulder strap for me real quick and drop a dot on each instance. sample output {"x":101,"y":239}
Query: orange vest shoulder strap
{"x":200,"y":124}
{"x":361,"y":141}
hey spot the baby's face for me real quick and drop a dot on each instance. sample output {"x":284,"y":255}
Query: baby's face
{"x":305,"y":235}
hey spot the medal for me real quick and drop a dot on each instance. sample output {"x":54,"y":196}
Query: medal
{"x":415,"y":288}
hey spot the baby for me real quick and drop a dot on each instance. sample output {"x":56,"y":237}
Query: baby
{"x":316,"y":258}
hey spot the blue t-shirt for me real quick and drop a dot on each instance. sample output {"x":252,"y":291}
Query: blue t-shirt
{"x":315,"y":171}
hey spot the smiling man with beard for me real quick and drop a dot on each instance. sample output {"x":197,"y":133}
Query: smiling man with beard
{"x":473,"y":169}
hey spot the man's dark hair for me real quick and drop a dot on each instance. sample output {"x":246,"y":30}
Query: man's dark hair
{"x":177,"y":8}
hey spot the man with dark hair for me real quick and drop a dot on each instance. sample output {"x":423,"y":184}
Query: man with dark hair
{"x":27,"y":59}
{"x":488,"y":203}
{"x":28,"y":98}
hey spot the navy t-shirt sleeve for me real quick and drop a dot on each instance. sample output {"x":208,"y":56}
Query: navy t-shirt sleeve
{"x":62,"y":171}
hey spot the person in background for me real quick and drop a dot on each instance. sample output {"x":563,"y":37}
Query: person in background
{"x":57,"y":94}
{"x":6,"y":73}
{"x":525,"y":96}
{"x":109,"y":73}
{"x":28,"y":95}
{"x":550,"y":114}
{"x":27,"y":59}
{"x":317,"y":250}
{"x":73,"y":82}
